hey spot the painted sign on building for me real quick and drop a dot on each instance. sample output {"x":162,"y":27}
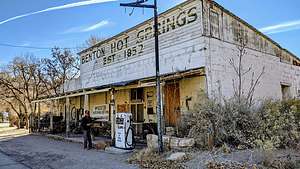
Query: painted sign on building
{"x":101,"y":112}
{"x":130,"y":55}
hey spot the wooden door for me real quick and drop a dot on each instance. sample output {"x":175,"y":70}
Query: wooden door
{"x":137,"y":111}
{"x":172,"y":104}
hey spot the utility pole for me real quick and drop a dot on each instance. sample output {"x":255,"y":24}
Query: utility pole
{"x":140,"y":4}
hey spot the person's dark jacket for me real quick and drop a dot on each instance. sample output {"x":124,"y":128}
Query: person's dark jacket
{"x":86,"y":122}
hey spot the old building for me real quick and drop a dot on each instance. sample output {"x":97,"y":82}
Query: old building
{"x":199,"y":41}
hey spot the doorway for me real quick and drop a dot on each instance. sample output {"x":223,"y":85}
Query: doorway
{"x":172,"y":104}
{"x":137,"y":109}
{"x":286,"y":93}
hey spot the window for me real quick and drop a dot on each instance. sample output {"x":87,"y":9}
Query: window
{"x":214,"y":24}
{"x":136,"y":95}
{"x":286,"y":93}
{"x":137,"y":111}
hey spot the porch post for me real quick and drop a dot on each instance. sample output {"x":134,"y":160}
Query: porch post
{"x":51,"y":116}
{"x":39,"y":116}
{"x":113,"y":114}
{"x":57,"y":108}
{"x":86,"y":102}
{"x":76,"y":117}
{"x":67,"y":116}
{"x":162,"y":102}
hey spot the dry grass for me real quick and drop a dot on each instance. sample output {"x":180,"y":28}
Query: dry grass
{"x":151,"y":160}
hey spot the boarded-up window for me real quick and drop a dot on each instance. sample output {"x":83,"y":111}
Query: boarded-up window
{"x":214,"y":24}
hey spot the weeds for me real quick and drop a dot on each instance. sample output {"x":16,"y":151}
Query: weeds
{"x":272,"y":124}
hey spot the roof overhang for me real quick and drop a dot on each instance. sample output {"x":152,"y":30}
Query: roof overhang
{"x":84,"y":92}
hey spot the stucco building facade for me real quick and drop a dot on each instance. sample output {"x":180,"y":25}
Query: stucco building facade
{"x":198,"y":41}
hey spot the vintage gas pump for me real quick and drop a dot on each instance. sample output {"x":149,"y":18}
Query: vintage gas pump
{"x":124,"y":131}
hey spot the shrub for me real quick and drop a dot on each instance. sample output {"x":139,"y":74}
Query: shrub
{"x":272,"y":124}
{"x":227,"y":122}
{"x":279,"y":123}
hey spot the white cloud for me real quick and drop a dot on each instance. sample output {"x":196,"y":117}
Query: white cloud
{"x":26,"y":44}
{"x":96,"y":26}
{"x":87,"y":28}
{"x":282,"y":27}
{"x":71,"y":5}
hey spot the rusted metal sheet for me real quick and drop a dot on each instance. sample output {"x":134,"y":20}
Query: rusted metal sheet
{"x":123,"y":108}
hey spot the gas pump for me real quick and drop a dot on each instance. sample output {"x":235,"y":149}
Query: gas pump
{"x":124,"y":131}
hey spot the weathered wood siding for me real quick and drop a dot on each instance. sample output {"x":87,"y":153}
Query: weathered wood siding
{"x":130,"y":55}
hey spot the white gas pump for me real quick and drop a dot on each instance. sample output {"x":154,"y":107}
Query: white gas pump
{"x":124,"y":131}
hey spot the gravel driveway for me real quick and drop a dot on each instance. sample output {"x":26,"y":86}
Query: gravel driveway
{"x":38,"y":152}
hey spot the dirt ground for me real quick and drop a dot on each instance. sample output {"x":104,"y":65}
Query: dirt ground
{"x":219,"y":159}
{"x":19,"y":150}
{"x":39,"y":152}
{"x":200,"y":159}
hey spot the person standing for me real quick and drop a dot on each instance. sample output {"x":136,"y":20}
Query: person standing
{"x":86,"y":123}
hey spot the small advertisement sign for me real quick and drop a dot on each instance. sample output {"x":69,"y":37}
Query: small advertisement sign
{"x":101,"y":112}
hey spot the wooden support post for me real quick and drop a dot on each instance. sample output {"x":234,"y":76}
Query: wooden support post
{"x":76,"y":117}
{"x":39,"y":116}
{"x":51,"y":116}
{"x":67,"y":116}
{"x":163,"y":122}
{"x":57,"y":108}
{"x":86,"y":102}
{"x":30,"y":123}
{"x":112,"y":114}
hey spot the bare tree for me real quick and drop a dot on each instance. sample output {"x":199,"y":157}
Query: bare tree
{"x":27,"y":78}
{"x":62,"y":66}
{"x":237,"y":63}
{"x":20,"y":84}
{"x":93,"y":40}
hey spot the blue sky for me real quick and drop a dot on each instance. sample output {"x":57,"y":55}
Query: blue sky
{"x":68,"y":23}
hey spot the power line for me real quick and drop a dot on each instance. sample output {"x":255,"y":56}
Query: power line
{"x":35,"y":47}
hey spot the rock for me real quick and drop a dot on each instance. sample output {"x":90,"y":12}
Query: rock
{"x":174,"y":142}
{"x":170,"y":131}
{"x":186,"y":142}
{"x":169,"y":142}
{"x":176,"y":156}
{"x":181,"y":142}
{"x":152,"y":141}
{"x":166,"y":142}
